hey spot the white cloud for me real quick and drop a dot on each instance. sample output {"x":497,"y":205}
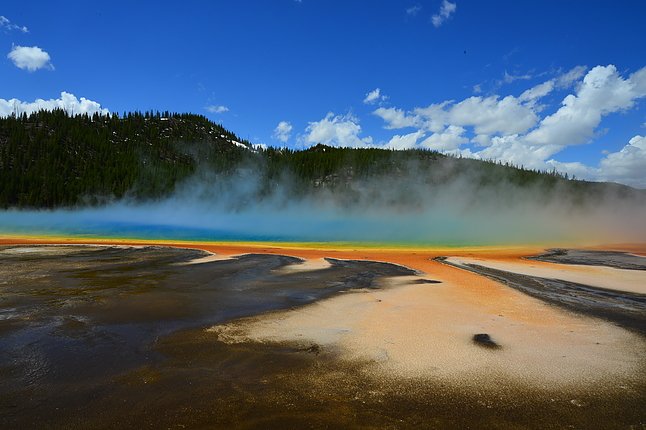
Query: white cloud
{"x":448,"y":140}
{"x":216,"y":109}
{"x":446,"y":10}
{"x":30,"y":58}
{"x":487,"y":115}
{"x":432,"y":117}
{"x":396,"y":118}
{"x":336,"y":130}
{"x":513,"y":149}
{"x":283,"y":131}
{"x":68,"y":102}
{"x":514,"y":129}
{"x":6,"y":24}
{"x":406,"y":141}
{"x":490,"y":115}
{"x":413,"y":10}
{"x":537,"y":92}
{"x":568,"y":78}
{"x":562,"y":81}
{"x":374,"y":96}
{"x":482,"y":139}
{"x":626,"y":166}
{"x":603,"y":91}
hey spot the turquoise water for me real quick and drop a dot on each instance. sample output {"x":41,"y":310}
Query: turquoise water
{"x":119,"y":230}
{"x":248,"y":227}
{"x":176,"y":221}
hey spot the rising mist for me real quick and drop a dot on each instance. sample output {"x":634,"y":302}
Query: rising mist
{"x":447,"y":205}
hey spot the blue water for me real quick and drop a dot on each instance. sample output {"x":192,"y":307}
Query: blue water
{"x":184,"y":222}
{"x":192,"y":224}
{"x":120,"y":230}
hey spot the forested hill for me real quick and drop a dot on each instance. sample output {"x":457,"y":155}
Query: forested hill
{"x":50,"y":159}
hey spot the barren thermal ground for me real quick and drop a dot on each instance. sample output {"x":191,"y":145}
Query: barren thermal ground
{"x":286,"y":335}
{"x":301,"y":214}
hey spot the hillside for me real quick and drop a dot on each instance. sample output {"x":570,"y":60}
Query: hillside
{"x":50,"y":160}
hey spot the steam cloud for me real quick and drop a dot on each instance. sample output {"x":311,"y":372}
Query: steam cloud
{"x":406,"y":209}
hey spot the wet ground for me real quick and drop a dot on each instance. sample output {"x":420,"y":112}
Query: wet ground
{"x":80,"y":318}
{"x":112,"y":337}
{"x":618,"y":260}
{"x":624,"y":308}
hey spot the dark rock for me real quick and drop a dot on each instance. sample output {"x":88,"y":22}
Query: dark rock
{"x":483,"y":339}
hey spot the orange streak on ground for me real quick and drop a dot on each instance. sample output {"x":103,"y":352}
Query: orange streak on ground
{"x":472,"y":287}
{"x":421,"y":260}
{"x":426,"y":329}
{"x":418,"y":259}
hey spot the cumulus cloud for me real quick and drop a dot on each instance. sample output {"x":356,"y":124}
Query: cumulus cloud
{"x":518,"y":130}
{"x":446,"y":10}
{"x":539,"y":91}
{"x":8,"y":25}
{"x":30,"y":58}
{"x":216,"y":109}
{"x":283,"y":131}
{"x":406,"y":141}
{"x":489,"y":115}
{"x":514,"y":149}
{"x":374,"y":96}
{"x":336,"y":130}
{"x":448,"y":140}
{"x":68,"y":102}
{"x":432,"y":117}
{"x":564,"y":80}
{"x":626,"y":166}
{"x":396,"y":118}
{"x":603,"y":91}
{"x":515,"y":129}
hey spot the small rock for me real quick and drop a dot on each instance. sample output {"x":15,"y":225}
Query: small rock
{"x":483,"y":339}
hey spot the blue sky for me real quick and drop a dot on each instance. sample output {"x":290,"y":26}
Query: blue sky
{"x":452,"y":75}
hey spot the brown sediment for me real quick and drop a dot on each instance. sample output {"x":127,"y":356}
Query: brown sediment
{"x":426,"y":331}
{"x":405,"y":351}
{"x":610,"y":278}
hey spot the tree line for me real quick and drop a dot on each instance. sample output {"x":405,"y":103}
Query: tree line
{"x":50,"y":159}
